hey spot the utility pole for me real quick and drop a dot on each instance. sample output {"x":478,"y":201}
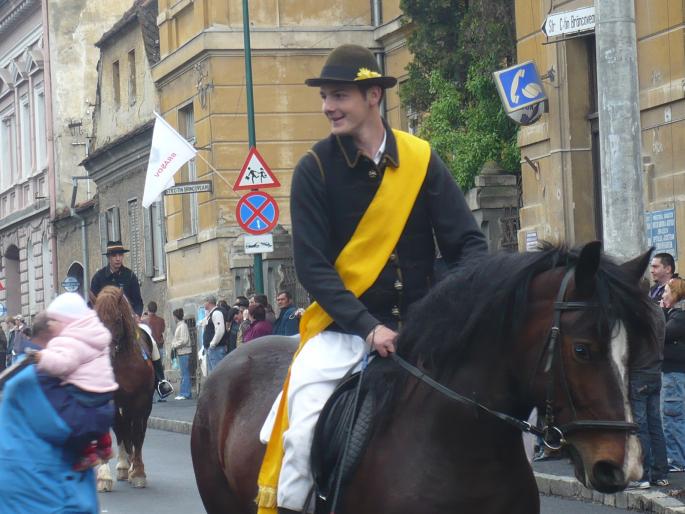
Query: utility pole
{"x":619,"y":129}
{"x":252,"y":138}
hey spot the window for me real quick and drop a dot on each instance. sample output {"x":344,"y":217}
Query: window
{"x":25,"y":196}
{"x":186,"y":121}
{"x":8,"y":147}
{"x":113,"y":227}
{"x":132,"y":77}
{"x":115,"y":83}
{"x":39,"y":123}
{"x":25,"y":126}
{"x":3,"y":207}
{"x":134,"y":235}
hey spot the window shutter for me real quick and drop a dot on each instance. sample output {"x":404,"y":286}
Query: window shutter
{"x":149,"y":243}
{"x":103,"y":236}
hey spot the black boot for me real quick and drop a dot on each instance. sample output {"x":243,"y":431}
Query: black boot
{"x":281,"y":510}
{"x":159,"y":376}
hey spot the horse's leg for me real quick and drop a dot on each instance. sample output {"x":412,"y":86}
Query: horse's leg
{"x":104,"y":478}
{"x":122,"y":431}
{"x":122,"y":462}
{"x":137,"y":476}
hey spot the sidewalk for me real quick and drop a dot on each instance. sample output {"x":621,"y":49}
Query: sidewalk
{"x":554,"y":477}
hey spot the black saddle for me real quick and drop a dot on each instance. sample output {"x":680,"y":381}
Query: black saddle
{"x":330,"y":436}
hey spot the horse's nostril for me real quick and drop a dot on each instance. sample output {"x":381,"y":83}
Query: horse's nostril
{"x":607,"y":477}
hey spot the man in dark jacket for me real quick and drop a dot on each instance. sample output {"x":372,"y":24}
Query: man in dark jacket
{"x":118,"y":275}
{"x":3,"y":349}
{"x":288,"y":322}
{"x":662,"y":269}
{"x":367,"y":205}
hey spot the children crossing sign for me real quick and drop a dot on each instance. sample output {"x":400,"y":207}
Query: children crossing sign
{"x":255,"y":173}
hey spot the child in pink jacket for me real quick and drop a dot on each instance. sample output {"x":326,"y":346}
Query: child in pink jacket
{"x":78,"y":354}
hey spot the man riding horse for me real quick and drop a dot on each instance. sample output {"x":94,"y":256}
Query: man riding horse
{"x":367,"y":204}
{"x":117,"y":275}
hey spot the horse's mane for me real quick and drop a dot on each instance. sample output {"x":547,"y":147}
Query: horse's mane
{"x":114,"y":311}
{"x":485,"y":301}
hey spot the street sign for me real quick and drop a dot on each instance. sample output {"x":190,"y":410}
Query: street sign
{"x":255,"y":173}
{"x":661,"y":231}
{"x":259,"y":244}
{"x":569,"y":22}
{"x":71,"y":284}
{"x":257,"y":213}
{"x":3,"y":310}
{"x":202,"y":186}
{"x":519,"y":86}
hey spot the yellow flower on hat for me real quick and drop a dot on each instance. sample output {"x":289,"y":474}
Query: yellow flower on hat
{"x":365,"y":73}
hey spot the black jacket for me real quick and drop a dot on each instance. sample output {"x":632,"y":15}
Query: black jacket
{"x":674,"y":344}
{"x":328,"y":201}
{"x":125,"y":279}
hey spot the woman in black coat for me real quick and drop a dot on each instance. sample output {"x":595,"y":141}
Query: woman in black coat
{"x":673,"y":389}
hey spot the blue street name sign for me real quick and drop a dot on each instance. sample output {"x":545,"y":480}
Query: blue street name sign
{"x":519,"y":86}
{"x":661,"y":231}
{"x":71,"y":284}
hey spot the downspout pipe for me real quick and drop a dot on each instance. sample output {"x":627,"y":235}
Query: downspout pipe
{"x":50,"y":135}
{"x":84,"y":234}
{"x":377,"y":13}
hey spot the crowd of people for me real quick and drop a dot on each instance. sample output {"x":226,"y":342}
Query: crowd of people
{"x":226,"y":328}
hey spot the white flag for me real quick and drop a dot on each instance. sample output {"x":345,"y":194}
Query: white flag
{"x":169,"y":151}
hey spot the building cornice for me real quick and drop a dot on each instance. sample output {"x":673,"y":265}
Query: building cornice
{"x":33,"y":211}
{"x":15,"y":14}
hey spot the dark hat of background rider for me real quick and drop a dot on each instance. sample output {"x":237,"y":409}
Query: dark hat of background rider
{"x":115,"y":247}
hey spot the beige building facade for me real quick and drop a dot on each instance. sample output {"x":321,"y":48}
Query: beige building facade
{"x":201,"y":84}
{"x":560,"y":153}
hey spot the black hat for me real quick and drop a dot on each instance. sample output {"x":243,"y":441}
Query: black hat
{"x":114,"y":247}
{"x":352,"y":64}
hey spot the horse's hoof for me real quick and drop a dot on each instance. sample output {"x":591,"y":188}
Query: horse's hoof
{"x":105,"y":485}
{"x":138,"y":482}
{"x":122,"y":474}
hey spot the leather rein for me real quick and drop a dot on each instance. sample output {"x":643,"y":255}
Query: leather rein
{"x":552,"y":435}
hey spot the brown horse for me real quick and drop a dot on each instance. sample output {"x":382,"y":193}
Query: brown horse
{"x":133,"y":371}
{"x":487,"y":333}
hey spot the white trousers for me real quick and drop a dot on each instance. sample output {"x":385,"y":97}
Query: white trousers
{"x":316,"y":371}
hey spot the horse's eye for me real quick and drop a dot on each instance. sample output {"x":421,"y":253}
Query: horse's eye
{"x":582,"y":351}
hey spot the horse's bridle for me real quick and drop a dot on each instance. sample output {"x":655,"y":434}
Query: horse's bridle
{"x":553,"y":436}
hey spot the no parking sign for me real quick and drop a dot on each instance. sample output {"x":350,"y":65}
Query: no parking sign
{"x":257,"y":213}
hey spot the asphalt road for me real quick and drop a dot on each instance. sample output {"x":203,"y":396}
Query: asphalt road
{"x":171,"y":485}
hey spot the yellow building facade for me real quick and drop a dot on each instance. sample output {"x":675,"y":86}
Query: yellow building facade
{"x":201,"y":83}
{"x":560,"y":153}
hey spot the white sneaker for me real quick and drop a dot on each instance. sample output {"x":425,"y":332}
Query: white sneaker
{"x":639,"y":484}
{"x":179,"y":397}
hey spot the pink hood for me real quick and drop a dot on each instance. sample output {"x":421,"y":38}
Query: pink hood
{"x":80,"y":355}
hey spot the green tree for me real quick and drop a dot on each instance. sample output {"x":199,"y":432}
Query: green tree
{"x":456,"y":48}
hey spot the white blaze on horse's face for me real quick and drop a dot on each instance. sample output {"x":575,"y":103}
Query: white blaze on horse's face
{"x":632,"y":468}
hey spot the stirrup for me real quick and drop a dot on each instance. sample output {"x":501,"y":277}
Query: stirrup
{"x":164,"y":388}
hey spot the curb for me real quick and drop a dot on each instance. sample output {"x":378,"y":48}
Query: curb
{"x":656,"y":501}
{"x":171,"y":425}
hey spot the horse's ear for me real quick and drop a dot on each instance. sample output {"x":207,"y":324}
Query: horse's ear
{"x":586,"y":268}
{"x":636,"y":267}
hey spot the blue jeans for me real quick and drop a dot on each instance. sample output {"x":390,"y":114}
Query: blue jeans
{"x":184,"y":364}
{"x":645,"y":400}
{"x":673,"y":409}
{"x":214,"y":356}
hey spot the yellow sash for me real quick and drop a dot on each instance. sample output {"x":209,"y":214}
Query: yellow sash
{"x":359,"y":264}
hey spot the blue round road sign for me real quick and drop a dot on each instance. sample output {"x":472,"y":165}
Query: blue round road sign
{"x":71,"y":284}
{"x":257,"y":213}
{"x":3,"y":309}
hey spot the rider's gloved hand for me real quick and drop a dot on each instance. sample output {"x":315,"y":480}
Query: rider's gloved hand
{"x":382,"y":339}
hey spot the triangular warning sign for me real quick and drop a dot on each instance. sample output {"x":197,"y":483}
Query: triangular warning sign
{"x":255,"y":173}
